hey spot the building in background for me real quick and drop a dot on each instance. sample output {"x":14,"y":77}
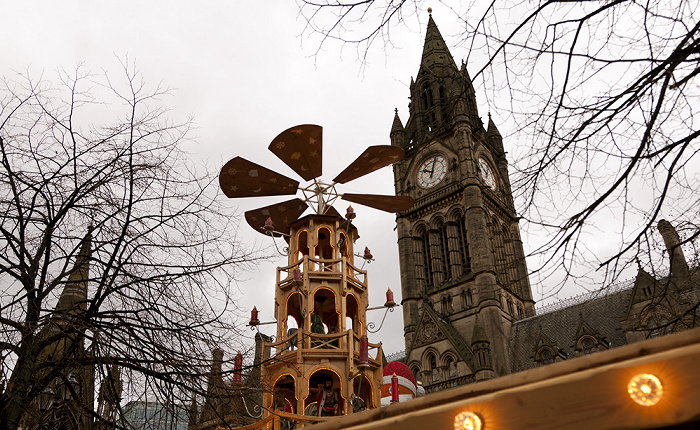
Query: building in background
{"x":467,"y":303}
{"x":145,"y":415}
{"x":68,"y":398}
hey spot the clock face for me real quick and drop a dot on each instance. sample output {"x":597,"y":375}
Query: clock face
{"x":431,"y":171}
{"x":487,"y":174}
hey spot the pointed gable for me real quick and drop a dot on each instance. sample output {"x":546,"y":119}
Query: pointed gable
{"x":546,"y":351}
{"x":543,"y":340}
{"x":584,"y":329}
{"x":644,"y":289}
{"x":432,"y":329}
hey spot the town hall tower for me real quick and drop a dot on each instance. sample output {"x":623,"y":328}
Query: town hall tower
{"x":463,"y":274}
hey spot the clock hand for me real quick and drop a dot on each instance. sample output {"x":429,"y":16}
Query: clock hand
{"x":432,"y":170}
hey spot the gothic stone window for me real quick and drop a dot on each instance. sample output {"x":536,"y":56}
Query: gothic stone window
{"x":450,"y":367}
{"x":587,"y":345}
{"x":447,"y":307}
{"x":419,"y":259}
{"x":467,"y":300}
{"x":415,"y":369}
{"x":432,"y":369}
{"x":545,"y":356}
{"x":441,"y":254}
{"x":463,"y":245}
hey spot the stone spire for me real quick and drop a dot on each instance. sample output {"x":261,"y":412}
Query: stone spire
{"x":74,"y":294}
{"x":398,"y":133}
{"x":494,"y":136}
{"x":492,"y":130}
{"x":435,"y":51}
{"x":397,"y":126}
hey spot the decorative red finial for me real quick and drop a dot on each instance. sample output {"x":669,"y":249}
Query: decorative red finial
{"x":254,"y":317}
{"x":350,"y":214}
{"x":390,"y":303}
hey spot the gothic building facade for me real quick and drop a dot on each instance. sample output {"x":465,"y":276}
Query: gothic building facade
{"x":467,"y":302}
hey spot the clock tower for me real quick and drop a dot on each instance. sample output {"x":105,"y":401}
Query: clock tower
{"x":463,"y":274}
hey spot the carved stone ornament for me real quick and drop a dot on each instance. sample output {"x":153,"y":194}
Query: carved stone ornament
{"x":428,"y":333}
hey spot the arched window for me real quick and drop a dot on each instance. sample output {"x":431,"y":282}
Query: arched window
{"x":443,"y":103}
{"x":464,"y":245}
{"x":498,"y":252}
{"x":425,"y":242}
{"x":415,"y":369}
{"x":295,"y":311}
{"x":429,"y":92}
{"x":325,"y":249}
{"x":447,"y":304}
{"x":437,"y":257}
{"x":283,"y":394}
{"x":325,"y":308}
{"x":510,"y":265}
{"x":587,"y":345}
{"x":432,"y":365}
{"x":450,"y":367}
{"x":419,"y":261}
{"x":351,"y":312}
{"x":343,"y":245}
{"x":545,"y":355}
{"x":302,"y":243}
{"x":445,"y":248}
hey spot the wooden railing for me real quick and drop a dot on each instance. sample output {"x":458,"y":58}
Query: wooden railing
{"x":304,"y":343}
{"x":322,"y":268}
{"x":287,"y":421}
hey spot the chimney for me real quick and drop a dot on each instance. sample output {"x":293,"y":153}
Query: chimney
{"x":679,"y":267}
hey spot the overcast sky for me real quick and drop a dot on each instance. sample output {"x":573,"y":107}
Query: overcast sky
{"x":245,"y":73}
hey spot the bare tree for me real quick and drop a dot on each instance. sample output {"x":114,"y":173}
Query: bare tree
{"x":115,"y":254}
{"x":602,"y":98}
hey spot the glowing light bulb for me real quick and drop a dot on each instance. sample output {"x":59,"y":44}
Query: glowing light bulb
{"x":467,"y":421}
{"x":645,"y":389}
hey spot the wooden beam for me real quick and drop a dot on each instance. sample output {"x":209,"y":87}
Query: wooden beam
{"x":587,"y":393}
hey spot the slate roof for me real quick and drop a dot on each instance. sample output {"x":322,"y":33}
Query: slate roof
{"x":603,"y":314}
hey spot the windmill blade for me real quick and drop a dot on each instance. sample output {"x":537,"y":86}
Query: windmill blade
{"x":383,"y":203}
{"x":374,"y":157}
{"x":282,"y":214}
{"x":242,"y":178}
{"x":301,"y":148}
